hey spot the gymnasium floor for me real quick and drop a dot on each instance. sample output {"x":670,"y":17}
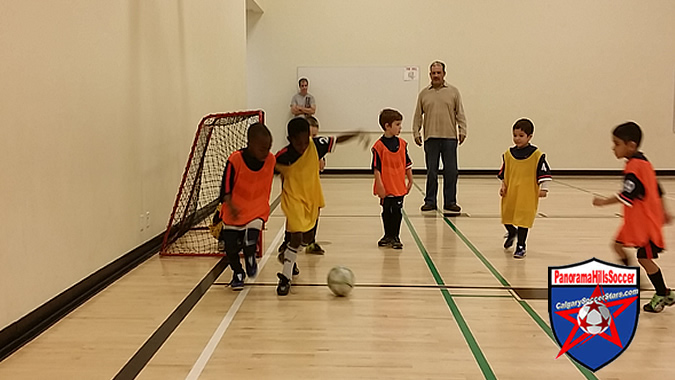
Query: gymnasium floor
{"x":450,"y":305}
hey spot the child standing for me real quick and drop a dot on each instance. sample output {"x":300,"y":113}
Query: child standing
{"x":524,"y":176}
{"x":644,"y":212}
{"x":245,"y":196}
{"x":301,"y":194}
{"x":391,"y":166}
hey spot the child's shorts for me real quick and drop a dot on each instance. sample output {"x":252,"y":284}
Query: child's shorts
{"x":650,"y":251}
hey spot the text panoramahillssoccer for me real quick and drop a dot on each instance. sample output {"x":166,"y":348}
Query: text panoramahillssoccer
{"x":594,"y":277}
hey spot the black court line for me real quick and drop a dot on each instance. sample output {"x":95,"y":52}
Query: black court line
{"x":141,"y":358}
{"x":418,"y":286}
{"x":578,"y":188}
{"x":463,"y":215}
{"x":329,"y":216}
{"x":137,"y":363}
{"x":522,"y":293}
{"x":540,"y":215}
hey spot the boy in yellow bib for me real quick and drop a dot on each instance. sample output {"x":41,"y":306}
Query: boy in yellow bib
{"x":313,"y":247}
{"x":301,"y":193}
{"x":524,"y":176}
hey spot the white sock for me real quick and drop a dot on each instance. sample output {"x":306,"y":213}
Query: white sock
{"x":289,"y":259}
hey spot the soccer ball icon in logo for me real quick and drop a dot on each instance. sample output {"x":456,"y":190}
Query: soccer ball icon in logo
{"x":594,"y":318}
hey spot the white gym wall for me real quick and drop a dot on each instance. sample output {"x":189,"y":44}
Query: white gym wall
{"x":99,"y":103}
{"x":576,"y":68}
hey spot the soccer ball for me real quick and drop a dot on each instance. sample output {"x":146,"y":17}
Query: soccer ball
{"x":594,"y":318}
{"x":340,"y":281}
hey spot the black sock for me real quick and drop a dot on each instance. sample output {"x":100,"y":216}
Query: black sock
{"x":659,"y":284}
{"x":394,"y":206}
{"x":396,"y":219}
{"x":522,"y":236}
{"x":511,"y":230}
{"x":314,"y":230}
{"x":385,"y":222}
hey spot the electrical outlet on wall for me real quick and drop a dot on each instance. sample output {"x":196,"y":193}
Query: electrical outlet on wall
{"x":141,"y":223}
{"x":147,"y":219}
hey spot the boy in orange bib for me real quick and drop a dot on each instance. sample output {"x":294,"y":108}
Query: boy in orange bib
{"x":644,"y":212}
{"x":391,"y":166}
{"x":245,"y":197}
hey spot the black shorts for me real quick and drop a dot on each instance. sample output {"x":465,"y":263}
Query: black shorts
{"x":649,"y":252}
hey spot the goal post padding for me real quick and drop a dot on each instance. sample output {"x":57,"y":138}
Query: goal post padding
{"x":218,"y":135}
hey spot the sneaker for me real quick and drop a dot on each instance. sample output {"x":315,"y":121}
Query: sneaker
{"x":427,"y":207}
{"x":314,"y":248}
{"x":284,"y":285}
{"x":282,"y":247}
{"x":251,"y":266}
{"x":384,"y":242}
{"x":296,"y":271}
{"x":669,"y":299}
{"x":396,"y":243}
{"x":520,"y":252}
{"x":656,"y":304}
{"x":452,"y":207}
{"x":237,"y":282}
{"x":509,"y":241}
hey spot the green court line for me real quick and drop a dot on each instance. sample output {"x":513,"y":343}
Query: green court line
{"x":533,"y":314}
{"x":461,"y":322}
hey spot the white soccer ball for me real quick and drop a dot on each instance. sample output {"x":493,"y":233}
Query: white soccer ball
{"x":340,"y":281}
{"x":594,"y":318}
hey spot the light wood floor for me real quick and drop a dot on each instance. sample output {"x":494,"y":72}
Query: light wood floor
{"x":397,"y":324}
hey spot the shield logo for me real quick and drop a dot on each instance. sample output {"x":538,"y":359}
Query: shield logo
{"x":593,"y":307}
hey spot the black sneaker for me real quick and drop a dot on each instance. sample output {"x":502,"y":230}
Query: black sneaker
{"x":251,"y":266}
{"x":520,"y":252}
{"x":427,"y":207}
{"x":384,"y":242}
{"x":396,"y":243}
{"x":510,"y":239}
{"x":315,"y":249}
{"x":670,"y":298}
{"x":237,"y":282}
{"x":452,"y":207}
{"x":655,"y":305}
{"x":284,"y":285}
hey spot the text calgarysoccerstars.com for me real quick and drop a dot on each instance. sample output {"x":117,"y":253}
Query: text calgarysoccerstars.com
{"x":605,"y":297}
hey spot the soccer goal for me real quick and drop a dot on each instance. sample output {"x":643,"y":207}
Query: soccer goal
{"x":218,"y":135}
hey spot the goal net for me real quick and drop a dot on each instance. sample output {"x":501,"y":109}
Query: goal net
{"x":218,"y":135}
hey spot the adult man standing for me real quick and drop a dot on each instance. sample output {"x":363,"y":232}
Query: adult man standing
{"x":303,"y":103}
{"x":440,"y":112}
